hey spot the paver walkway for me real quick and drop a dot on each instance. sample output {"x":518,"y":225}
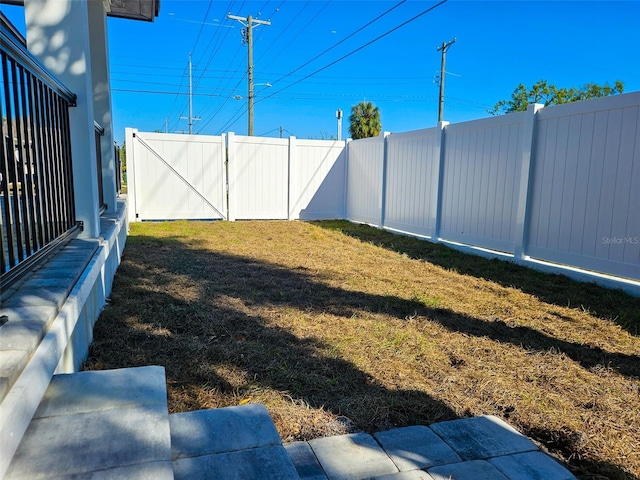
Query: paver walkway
{"x":115,"y":425}
{"x":475,"y":448}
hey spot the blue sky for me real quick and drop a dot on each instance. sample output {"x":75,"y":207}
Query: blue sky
{"x":499,"y":45}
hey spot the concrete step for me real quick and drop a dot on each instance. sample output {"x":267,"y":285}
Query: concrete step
{"x":99,"y":425}
{"x":233,"y":443}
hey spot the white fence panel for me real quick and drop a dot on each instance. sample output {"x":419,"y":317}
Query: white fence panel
{"x":365,"y":158}
{"x":557,"y":184}
{"x":258,"y":178}
{"x":585,"y":197}
{"x":413,"y":160}
{"x":480,"y":178}
{"x":176,"y":177}
{"x":317,"y":179}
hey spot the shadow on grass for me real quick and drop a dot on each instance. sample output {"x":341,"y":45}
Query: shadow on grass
{"x":192,"y":338}
{"x":221,"y":328}
{"x":607,"y":304}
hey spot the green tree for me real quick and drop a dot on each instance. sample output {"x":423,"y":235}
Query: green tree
{"x":123,"y":156}
{"x":542,"y":92}
{"x":364,"y":121}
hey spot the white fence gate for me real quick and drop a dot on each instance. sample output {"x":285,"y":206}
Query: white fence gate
{"x":174,"y":176}
{"x":275,"y":178}
{"x":258,"y":178}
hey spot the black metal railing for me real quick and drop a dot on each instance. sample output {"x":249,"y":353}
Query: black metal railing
{"x":116,"y":155}
{"x":37,"y":208}
{"x":98,"y":133}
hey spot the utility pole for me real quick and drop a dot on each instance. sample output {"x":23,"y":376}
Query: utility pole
{"x":443,"y":48}
{"x":190,"y":119}
{"x":281,"y":131}
{"x":249,"y":39}
{"x":339,"y":117}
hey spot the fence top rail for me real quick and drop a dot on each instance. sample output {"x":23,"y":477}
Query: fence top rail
{"x":376,"y":139}
{"x":424,"y":132}
{"x":490,"y":122}
{"x":239,"y":139}
{"x":320,"y":143}
{"x":14,"y":45}
{"x":613,"y":102}
{"x":179,"y":137}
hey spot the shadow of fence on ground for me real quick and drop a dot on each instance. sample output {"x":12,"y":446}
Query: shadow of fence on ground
{"x":217,"y":326}
{"x":607,"y":304}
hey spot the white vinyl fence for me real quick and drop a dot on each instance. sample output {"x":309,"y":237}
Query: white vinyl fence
{"x":585,"y":189}
{"x":556,"y":185}
{"x":185,"y":177}
{"x":174,"y":176}
{"x":274,"y":178}
{"x":549,"y":186}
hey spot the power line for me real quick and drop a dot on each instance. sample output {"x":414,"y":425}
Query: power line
{"x":285,"y":30}
{"x":383,"y":14}
{"x":356,"y":50}
{"x":330,"y":48}
{"x":215,"y":51}
{"x":176,"y":98}
{"x":233,"y":119}
{"x":225,"y":76}
{"x":161,"y":92}
{"x":195,"y":44}
{"x":270,"y":131}
{"x":213,"y":115}
{"x":146,"y":66}
{"x":276,"y":10}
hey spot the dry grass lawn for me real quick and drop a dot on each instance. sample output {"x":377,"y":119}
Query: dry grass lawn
{"x":338,"y":327}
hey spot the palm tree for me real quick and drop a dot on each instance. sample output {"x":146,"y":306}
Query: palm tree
{"x":364,"y":121}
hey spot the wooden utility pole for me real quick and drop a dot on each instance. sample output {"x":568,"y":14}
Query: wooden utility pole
{"x":249,"y":39}
{"x":443,"y":48}
{"x":190,"y":119}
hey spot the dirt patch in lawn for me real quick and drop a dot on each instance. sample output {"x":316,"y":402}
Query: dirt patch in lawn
{"x":338,"y":327}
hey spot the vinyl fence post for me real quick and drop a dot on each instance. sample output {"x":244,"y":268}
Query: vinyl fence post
{"x":291,"y":159}
{"x":231,"y":176}
{"x":383,"y":188}
{"x":224,"y":176}
{"x":346,"y":180}
{"x":440,"y":149}
{"x":130,"y":153}
{"x":527,"y":165}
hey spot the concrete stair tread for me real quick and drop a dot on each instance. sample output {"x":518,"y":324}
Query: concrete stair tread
{"x":99,"y":424}
{"x":233,"y":443}
{"x":221,"y":430}
{"x":263,"y":463}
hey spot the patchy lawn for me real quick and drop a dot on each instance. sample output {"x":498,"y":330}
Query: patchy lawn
{"x":338,"y":327}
